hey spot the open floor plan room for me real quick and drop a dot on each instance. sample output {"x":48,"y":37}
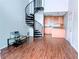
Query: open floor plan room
{"x":38,"y":29}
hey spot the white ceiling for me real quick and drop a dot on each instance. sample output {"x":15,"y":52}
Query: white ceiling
{"x":54,"y":13}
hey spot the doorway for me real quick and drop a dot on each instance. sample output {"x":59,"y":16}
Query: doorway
{"x":54,"y":26}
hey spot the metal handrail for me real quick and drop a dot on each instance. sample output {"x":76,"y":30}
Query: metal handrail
{"x":38,"y":26}
{"x":39,"y":23}
{"x":28,"y":5}
{"x":29,"y":9}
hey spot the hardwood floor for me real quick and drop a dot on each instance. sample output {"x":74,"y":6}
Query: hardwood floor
{"x":47,"y":48}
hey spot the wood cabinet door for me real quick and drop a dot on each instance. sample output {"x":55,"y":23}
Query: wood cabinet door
{"x":54,"y":25}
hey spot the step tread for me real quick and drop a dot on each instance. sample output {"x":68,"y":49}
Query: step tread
{"x":29,"y":22}
{"x":37,"y":35}
{"x":29,"y":18}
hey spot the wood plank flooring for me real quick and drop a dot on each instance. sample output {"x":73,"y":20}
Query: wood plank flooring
{"x":46,"y":48}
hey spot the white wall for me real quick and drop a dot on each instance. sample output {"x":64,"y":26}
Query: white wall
{"x":55,"y":5}
{"x":12,"y":17}
{"x":71,"y":23}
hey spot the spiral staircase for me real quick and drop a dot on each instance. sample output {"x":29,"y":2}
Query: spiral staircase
{"x":30,"y":11}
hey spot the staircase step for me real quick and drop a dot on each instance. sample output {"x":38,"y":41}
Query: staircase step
{"x":37,"y":34}
{"x":30,"y":16}
{"x":29,"y":20}
{"x":30,"y":25}
{"x":38,"y":9}
{"x":36,"y":31}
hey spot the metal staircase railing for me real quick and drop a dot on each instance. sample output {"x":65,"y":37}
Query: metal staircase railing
{"x":30,"y":13}
{"x":38,"y":26}
{"x":29,"y":9}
